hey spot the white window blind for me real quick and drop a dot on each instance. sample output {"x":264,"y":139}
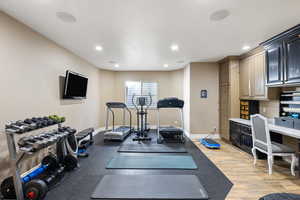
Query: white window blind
{"x":139,"y":88}
{"x":132,"y":88}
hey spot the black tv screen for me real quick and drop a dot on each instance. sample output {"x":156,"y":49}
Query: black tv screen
{"x":75,"y":86}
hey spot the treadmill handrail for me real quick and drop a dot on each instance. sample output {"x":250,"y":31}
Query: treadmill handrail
{"x":116,"y":105}
{"x":111,"y":105}
{"x":170,"y":103}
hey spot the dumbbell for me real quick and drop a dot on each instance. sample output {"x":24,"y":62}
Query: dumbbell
{"x":18,"y":127}
{"x":62,"y":131}
{"x":57,"y":119}
{"x":43,"y":123}
{"x":59,"y":134}
{"x":33,"y":143}
{"x":49,"y":121}
{"x":40,"y":122}
{"x":68,"y":129}
{"x":43,"y":140}
{"x":37,"y":122}
{"x":26,"y":142}
{"x":50,"y":137}
{"x":54,"y":175}
{"x":31,"y":124}
{"x":10,"y":125}
{"x":36,"y":189}
{"x":56,"y":134}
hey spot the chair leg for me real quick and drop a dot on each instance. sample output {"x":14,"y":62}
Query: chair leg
{"x":270,"y":163}
{"x":293,"y":164}
{"x":254,"y":156}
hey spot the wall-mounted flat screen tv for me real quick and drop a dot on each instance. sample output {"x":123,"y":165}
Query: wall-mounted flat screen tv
{"x":75,"y":86}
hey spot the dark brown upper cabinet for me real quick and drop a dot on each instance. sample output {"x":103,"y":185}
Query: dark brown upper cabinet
{"x":292,"y":59}
{"x":283,"y":58}
{"x":274,"y":64}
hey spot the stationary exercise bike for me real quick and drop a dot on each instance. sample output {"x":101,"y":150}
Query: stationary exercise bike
{"x":142,"y":105}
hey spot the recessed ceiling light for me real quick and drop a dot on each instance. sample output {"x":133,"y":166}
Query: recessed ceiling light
{"x":99,"y":48}
{"x":174,"y":47}
{"x":117,"y":65}
{"x":219,"y":15}
{"x":66,"y":17}
{"x":246,"y":47}
{"x":166,"y":65}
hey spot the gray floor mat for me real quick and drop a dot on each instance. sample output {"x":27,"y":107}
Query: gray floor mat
{"x":152,"y":148}
{"x":152,"y":162}
{"x":149,"y":187}
{"x":130,"y":146}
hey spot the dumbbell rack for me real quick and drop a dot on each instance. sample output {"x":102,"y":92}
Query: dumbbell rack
{"x":15,"y":160}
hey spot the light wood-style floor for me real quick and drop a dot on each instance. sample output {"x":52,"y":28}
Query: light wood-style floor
{"x":251,"y":182}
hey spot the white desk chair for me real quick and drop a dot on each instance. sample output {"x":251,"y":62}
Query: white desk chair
{"x":262,"y":142}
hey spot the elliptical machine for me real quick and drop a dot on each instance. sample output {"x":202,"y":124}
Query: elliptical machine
{"x":142,"y":105}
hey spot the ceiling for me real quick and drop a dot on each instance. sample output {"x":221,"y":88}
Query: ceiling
{"x":137,"y":34}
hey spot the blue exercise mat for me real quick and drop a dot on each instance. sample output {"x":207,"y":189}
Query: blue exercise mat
{"x":152,"y":162}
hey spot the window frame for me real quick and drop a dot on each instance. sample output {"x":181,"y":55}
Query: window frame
{"x":141,"y":90}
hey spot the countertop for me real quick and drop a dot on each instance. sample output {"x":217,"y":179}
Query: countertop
{"x":295,"y":133}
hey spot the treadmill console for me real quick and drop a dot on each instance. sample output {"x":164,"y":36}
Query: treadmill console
{"x":141,"y":101}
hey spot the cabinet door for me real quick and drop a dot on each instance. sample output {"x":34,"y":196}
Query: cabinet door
{"x":292,"y":59}
{"x":235,"y":133}
{"x":274,"y":64}
{"x":252,"y":75}
{"x":245,"y":78}
{"x":259,"y":89}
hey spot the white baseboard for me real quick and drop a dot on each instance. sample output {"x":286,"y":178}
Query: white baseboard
{"x":199,"y":136}
{"x":187,"y":133}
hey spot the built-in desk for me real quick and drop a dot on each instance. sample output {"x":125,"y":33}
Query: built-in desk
{"x":272,"y":127}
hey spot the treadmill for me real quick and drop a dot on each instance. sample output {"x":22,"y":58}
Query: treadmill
{"x":121,"y":132}
{"x":170,"y":133}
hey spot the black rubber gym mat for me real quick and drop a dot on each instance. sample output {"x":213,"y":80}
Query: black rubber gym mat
{"x":149,"y":187}
{"x":80,"y":184}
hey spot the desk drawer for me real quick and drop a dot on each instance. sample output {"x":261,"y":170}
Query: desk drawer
{"x":246,"y":130}
{"x":246,"y":142}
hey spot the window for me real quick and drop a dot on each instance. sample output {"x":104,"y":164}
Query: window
{"x":139,"y":88}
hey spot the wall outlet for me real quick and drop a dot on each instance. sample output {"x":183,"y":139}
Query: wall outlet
{"x":215,"y":130}
{"x":264,"y":109}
